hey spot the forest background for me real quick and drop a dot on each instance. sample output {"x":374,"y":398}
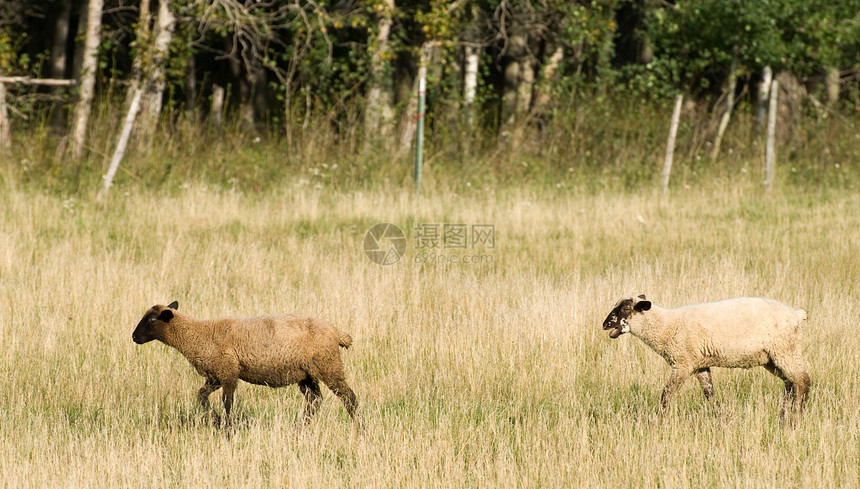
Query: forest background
{"x":546,"y":91}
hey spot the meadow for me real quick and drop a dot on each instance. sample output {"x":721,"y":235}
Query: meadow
{"x":487,"y":374}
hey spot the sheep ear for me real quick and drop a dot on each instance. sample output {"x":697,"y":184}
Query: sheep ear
{"x":165,"y":316}
{"x":642,"y":305}
{"x":175,"y":305}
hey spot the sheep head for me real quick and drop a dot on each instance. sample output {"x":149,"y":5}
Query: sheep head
{"x":617,"y":321}
{"x":150,"y":327}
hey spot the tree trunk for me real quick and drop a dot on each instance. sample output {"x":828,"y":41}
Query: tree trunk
{"x":83,"y":108}
{"x":257,"y":78}
{"x":246,"y":105}
{"x":142,"y":40}
{"x":4,"y":120}
{"x":832,"y":85}
{"x":61,"y":37}
{"x":511,"y":77}
{"x":410,"y":117}
{"x":134,"y":93}
{"x":217,"y":110}
{"x":122,"y":143}
{"x":252,"y":93}
{"x":646,"y":52}
{"x":730,"y":103}
{"x":191,"y":88}
{"x":404,"y":70}
{"x":470,"y":80}
{"x":154,"y":82}
{"x":525,"y":86}
{"x":763,"y":96}
{"x":379,"y":111}
{"x":509,"y":92}
{"x":80,"y":35}
{"x":770,"y":151}
{"x":670,"y":143}
{"x":58,"y":55}
{"x":548,"y":79}
{"x":519,"y":80}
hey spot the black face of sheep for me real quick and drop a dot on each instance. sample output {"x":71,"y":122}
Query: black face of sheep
{"x":617,"y":319}
{"x":148,"y":327}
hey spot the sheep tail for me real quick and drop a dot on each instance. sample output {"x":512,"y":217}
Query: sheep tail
{"x":344,"y":339}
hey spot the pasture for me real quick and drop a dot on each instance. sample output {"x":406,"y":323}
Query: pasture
{"x":491,"y":373}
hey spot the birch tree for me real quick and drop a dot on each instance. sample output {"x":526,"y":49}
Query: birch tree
{"x":83,"y":108}
{"x":154,"y":77}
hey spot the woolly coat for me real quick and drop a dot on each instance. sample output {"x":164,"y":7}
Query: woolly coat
{"x":742,"y":332}
{"x":268,"y":350}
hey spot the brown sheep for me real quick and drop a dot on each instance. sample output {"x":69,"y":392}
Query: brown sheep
{"x":268,"y":350}
{"x":744,"y":332}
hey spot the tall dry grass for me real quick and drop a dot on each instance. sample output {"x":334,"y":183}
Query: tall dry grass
{"x":491,"y":374}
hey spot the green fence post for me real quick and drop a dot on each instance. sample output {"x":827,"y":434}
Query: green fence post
{"x":419,"y":130}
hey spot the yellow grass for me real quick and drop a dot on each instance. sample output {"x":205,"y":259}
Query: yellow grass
{"x":492,"y":374}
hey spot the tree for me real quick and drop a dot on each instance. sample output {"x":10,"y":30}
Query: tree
{"x":87,"y":78}
{"x":59,"y":59}
{"x":379,"y":110}
{"x":155,"y":68}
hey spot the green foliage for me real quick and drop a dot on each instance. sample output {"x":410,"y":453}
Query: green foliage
{"x":588,"y":28}
{"x":12,"y":60}
{"x":694,"y":41}
{"x":444,"y":20}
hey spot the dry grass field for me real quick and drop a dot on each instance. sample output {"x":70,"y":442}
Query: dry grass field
{"x":487,"y":374}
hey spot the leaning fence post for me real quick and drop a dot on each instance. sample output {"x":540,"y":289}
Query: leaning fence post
{"x":670,"y":144}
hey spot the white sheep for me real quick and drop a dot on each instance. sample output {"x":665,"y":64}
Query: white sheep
{"x":269,"y":350}
{"x":743,"y":332}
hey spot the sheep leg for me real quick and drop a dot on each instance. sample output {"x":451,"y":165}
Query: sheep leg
{"x":676,"y":380}
{"x":801,"y":393}
{"x":704,"y":376}
{"x":341,"y":389}
{"x":227,"y":397}
{"x":208,"y":388}
{"x":789,"y":387}
{"x":797,"y":385}
{"x":310,"y":388}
